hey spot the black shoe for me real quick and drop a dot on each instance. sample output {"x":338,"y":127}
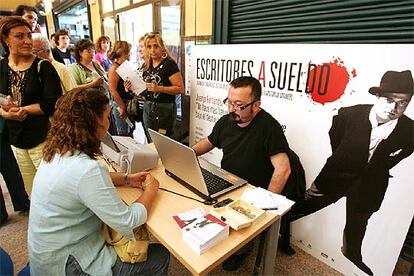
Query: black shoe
{"x":234,"y":262}
{"x":358,"y":262}
{"x":288,"y":250}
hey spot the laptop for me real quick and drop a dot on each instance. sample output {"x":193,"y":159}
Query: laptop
{"x":197,"y":174}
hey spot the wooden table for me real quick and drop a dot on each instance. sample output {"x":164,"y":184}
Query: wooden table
{"x":161,"y":224}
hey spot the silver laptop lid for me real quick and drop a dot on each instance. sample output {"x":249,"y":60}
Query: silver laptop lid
{"x":179,"y":160}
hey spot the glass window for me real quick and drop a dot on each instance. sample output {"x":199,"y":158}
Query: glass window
{"x":107,"y":6}
{"x":132,"y":25}
{"x":75,"y":20}
{"x":137,"y":1}
{"x":121,"y":3}
{"x":170,"y":25}
{"x":109,"y":27}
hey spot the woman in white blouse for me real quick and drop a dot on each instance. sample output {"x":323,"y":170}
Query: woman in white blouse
{"x":74,"y":195}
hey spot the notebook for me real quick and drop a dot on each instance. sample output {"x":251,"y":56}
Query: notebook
{"x":197,"y":174}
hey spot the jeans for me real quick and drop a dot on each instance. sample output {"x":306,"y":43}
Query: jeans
{"x":156,"y":264}
{"x":122,"y":127}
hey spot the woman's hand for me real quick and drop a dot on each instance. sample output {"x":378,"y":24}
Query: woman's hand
{"x":127,"y":85}
{"x":123,"y":111}
{"x":153,"y":87}
{"x":96,"y":83}
{"x":37,"y":29}
{"x":136,"y":180}
{"x":150,"y":184}
{"x":16,"y":114}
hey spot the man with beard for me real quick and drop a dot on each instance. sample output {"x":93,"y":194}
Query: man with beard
{"x":254,"y":146}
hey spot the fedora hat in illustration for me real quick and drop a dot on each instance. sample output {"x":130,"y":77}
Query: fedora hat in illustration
{"x":395,"y":82}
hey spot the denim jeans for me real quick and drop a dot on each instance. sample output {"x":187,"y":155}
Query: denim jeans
{"x":156,"y":264}
{"x":122,"y":127}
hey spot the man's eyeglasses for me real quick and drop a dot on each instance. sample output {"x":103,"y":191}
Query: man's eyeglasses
{"x":238,"y":107}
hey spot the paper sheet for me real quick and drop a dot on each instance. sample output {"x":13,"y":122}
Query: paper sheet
{"x":127,"y":71}
{"x":262,"y":198}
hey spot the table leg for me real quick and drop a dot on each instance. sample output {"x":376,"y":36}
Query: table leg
{"x":272,"y":237}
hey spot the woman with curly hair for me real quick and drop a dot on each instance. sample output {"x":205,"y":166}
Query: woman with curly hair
{"x":74,"y":195}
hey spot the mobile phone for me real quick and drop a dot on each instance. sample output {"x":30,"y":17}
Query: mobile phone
{"x":223,"y":203}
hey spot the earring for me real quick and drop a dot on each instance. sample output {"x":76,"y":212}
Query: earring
{"x":164,"y":55}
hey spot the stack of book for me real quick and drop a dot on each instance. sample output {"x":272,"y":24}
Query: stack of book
{"x":201,"y":231}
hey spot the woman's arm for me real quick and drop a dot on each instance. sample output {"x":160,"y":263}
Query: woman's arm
{"x":13,"y":114}
{"x":176,"y":88}
{"x":113,"y":79}
{"x":50,"y":92}
{"x":75,"y":69}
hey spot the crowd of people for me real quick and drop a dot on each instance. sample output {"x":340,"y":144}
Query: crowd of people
{"x":40,"y":76}
{"x":58,"y":104}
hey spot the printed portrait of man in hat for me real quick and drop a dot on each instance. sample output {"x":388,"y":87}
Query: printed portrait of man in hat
{"x":366,"y":141}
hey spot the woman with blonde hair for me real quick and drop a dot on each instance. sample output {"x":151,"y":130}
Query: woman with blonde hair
{"x":74,"y":195}
{"x":164,"y":82}
{"x":120,"y":53}
{"x":102,"y":47}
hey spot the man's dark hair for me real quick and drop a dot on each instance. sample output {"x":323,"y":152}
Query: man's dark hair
{"x":59,"y":33}
{"x":22,"y":9}
{"x":81,"y":45}
{"x":251,"y":82}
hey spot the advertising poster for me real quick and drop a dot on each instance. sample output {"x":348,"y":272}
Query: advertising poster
{"x":304,"y":87}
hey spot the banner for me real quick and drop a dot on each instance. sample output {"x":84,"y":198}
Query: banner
{"x":304,"y":86}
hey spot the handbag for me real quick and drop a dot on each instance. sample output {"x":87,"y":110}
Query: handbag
{"x":133,"y":107}
{"x":129,"y":251}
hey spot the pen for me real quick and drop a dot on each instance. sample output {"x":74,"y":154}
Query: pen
{"x":267,"y":209}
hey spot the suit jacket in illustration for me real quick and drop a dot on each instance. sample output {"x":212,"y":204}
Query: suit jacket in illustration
{"x":347,"y":171}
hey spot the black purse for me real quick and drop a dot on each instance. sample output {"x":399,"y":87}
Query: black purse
{"x":134,"y":107}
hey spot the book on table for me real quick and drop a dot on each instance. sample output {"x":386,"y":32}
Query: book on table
{"x":201,"y":230}
{"x":204,"y":233}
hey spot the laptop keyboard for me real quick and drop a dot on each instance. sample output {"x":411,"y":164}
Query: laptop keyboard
{"x":214,"y":183}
